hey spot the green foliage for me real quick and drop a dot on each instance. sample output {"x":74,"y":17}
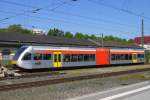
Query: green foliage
{"x":117,"y":39}
{"x":86,"y":36}
{"x":3,"y":30}
{"x":130,"y":41}
{"x":79,"y":35}
{"x":55,"y":32}
{"x":16,"y":28}
{"x":68,"y":35}
{"x":133,"y":76}
{"x":148,"y":56}
{"x":93,"y":37}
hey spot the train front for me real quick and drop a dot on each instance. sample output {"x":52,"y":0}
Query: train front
{"x":22,"y":54}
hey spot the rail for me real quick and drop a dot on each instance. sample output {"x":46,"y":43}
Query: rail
{"x":66,"y":79}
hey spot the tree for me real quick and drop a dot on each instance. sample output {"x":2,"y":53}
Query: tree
{"x":3,"y":30}
{"x":68,"y":35}
{"x":16,"y":28}
{"x":86,"y":36}
{"x":79,"y":35}
{"x":93,"y":37}
{"x":130,"y":41}
{"x":55,"y":32}
{"x":147,"y":56}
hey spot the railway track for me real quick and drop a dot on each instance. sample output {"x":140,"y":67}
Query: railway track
{"x":66,"y":79}
{"x":32,"y":75}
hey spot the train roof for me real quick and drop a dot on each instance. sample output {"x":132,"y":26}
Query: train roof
{"x":26,"y":39}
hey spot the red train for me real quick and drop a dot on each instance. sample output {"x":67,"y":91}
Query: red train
{"x":36,"y":57}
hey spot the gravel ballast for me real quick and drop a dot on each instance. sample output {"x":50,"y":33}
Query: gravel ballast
{"x":72,"y":89}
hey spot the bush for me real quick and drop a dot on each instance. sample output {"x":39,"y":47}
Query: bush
{"x":147,"y":54}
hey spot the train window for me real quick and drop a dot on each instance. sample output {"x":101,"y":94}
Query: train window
{"x":86,"y":57}
{"x":122,"y":57}
{"x":74,"y":58}
{"x":140,"y":55}
{"x":59,"y":57}
{"x":126,"y":57}
{"x":46,"y":56}
{"x":92,"y":57}
{"x":113,"y":57}
{"x":37,"y":56}
{"x":130,"y":57}
{"x":66,"y":58}
{"x":27,"y":56}
{"x":117,"y":57}
{"x":80,"y":57}
{"x":55,"y":57}
{"x":18,"y":53}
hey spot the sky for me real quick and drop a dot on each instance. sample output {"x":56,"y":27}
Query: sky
{"x":120,"y":18}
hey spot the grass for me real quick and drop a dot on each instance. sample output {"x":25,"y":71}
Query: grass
{"x":134,"y":76}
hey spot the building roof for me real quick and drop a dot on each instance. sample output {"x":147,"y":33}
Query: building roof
{"x":42,"y":39}
{"x":146,"y":40}
{"x":115,"y":44}
{"x":26,"y":39}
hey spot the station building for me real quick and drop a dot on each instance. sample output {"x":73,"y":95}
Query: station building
{"x":137,"y":40}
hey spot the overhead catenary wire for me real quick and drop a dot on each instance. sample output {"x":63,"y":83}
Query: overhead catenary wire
{"x":66,"y":13}
{"x":68,"y":22}
{"x":65,"y":21}
{"x":37,"y":9}
{"x":120,"y":9}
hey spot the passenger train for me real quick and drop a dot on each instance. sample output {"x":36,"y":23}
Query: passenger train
{"x":37,"y":57}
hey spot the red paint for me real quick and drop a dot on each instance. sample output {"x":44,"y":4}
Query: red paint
{"x":102,"y":56}
{"x":66,"y":51}
{"x":137,"y":40}
{"x":127,"y":52}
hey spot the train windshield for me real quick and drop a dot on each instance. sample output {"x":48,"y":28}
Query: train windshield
{"x":19,"y":51}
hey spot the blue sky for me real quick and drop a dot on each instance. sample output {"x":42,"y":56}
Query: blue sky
{"x":86,"y":16}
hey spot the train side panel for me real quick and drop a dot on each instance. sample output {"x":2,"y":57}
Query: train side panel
{"x":126,"y":56}
{"x":69,"y":57}
{"x":102,"y":56}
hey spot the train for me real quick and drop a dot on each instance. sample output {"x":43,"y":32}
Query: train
{"x":38,"y":57}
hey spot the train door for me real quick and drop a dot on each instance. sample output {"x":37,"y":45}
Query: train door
{"x":134,"y":58}
{"x":102,"y":56}
{"x":57,"y":59}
